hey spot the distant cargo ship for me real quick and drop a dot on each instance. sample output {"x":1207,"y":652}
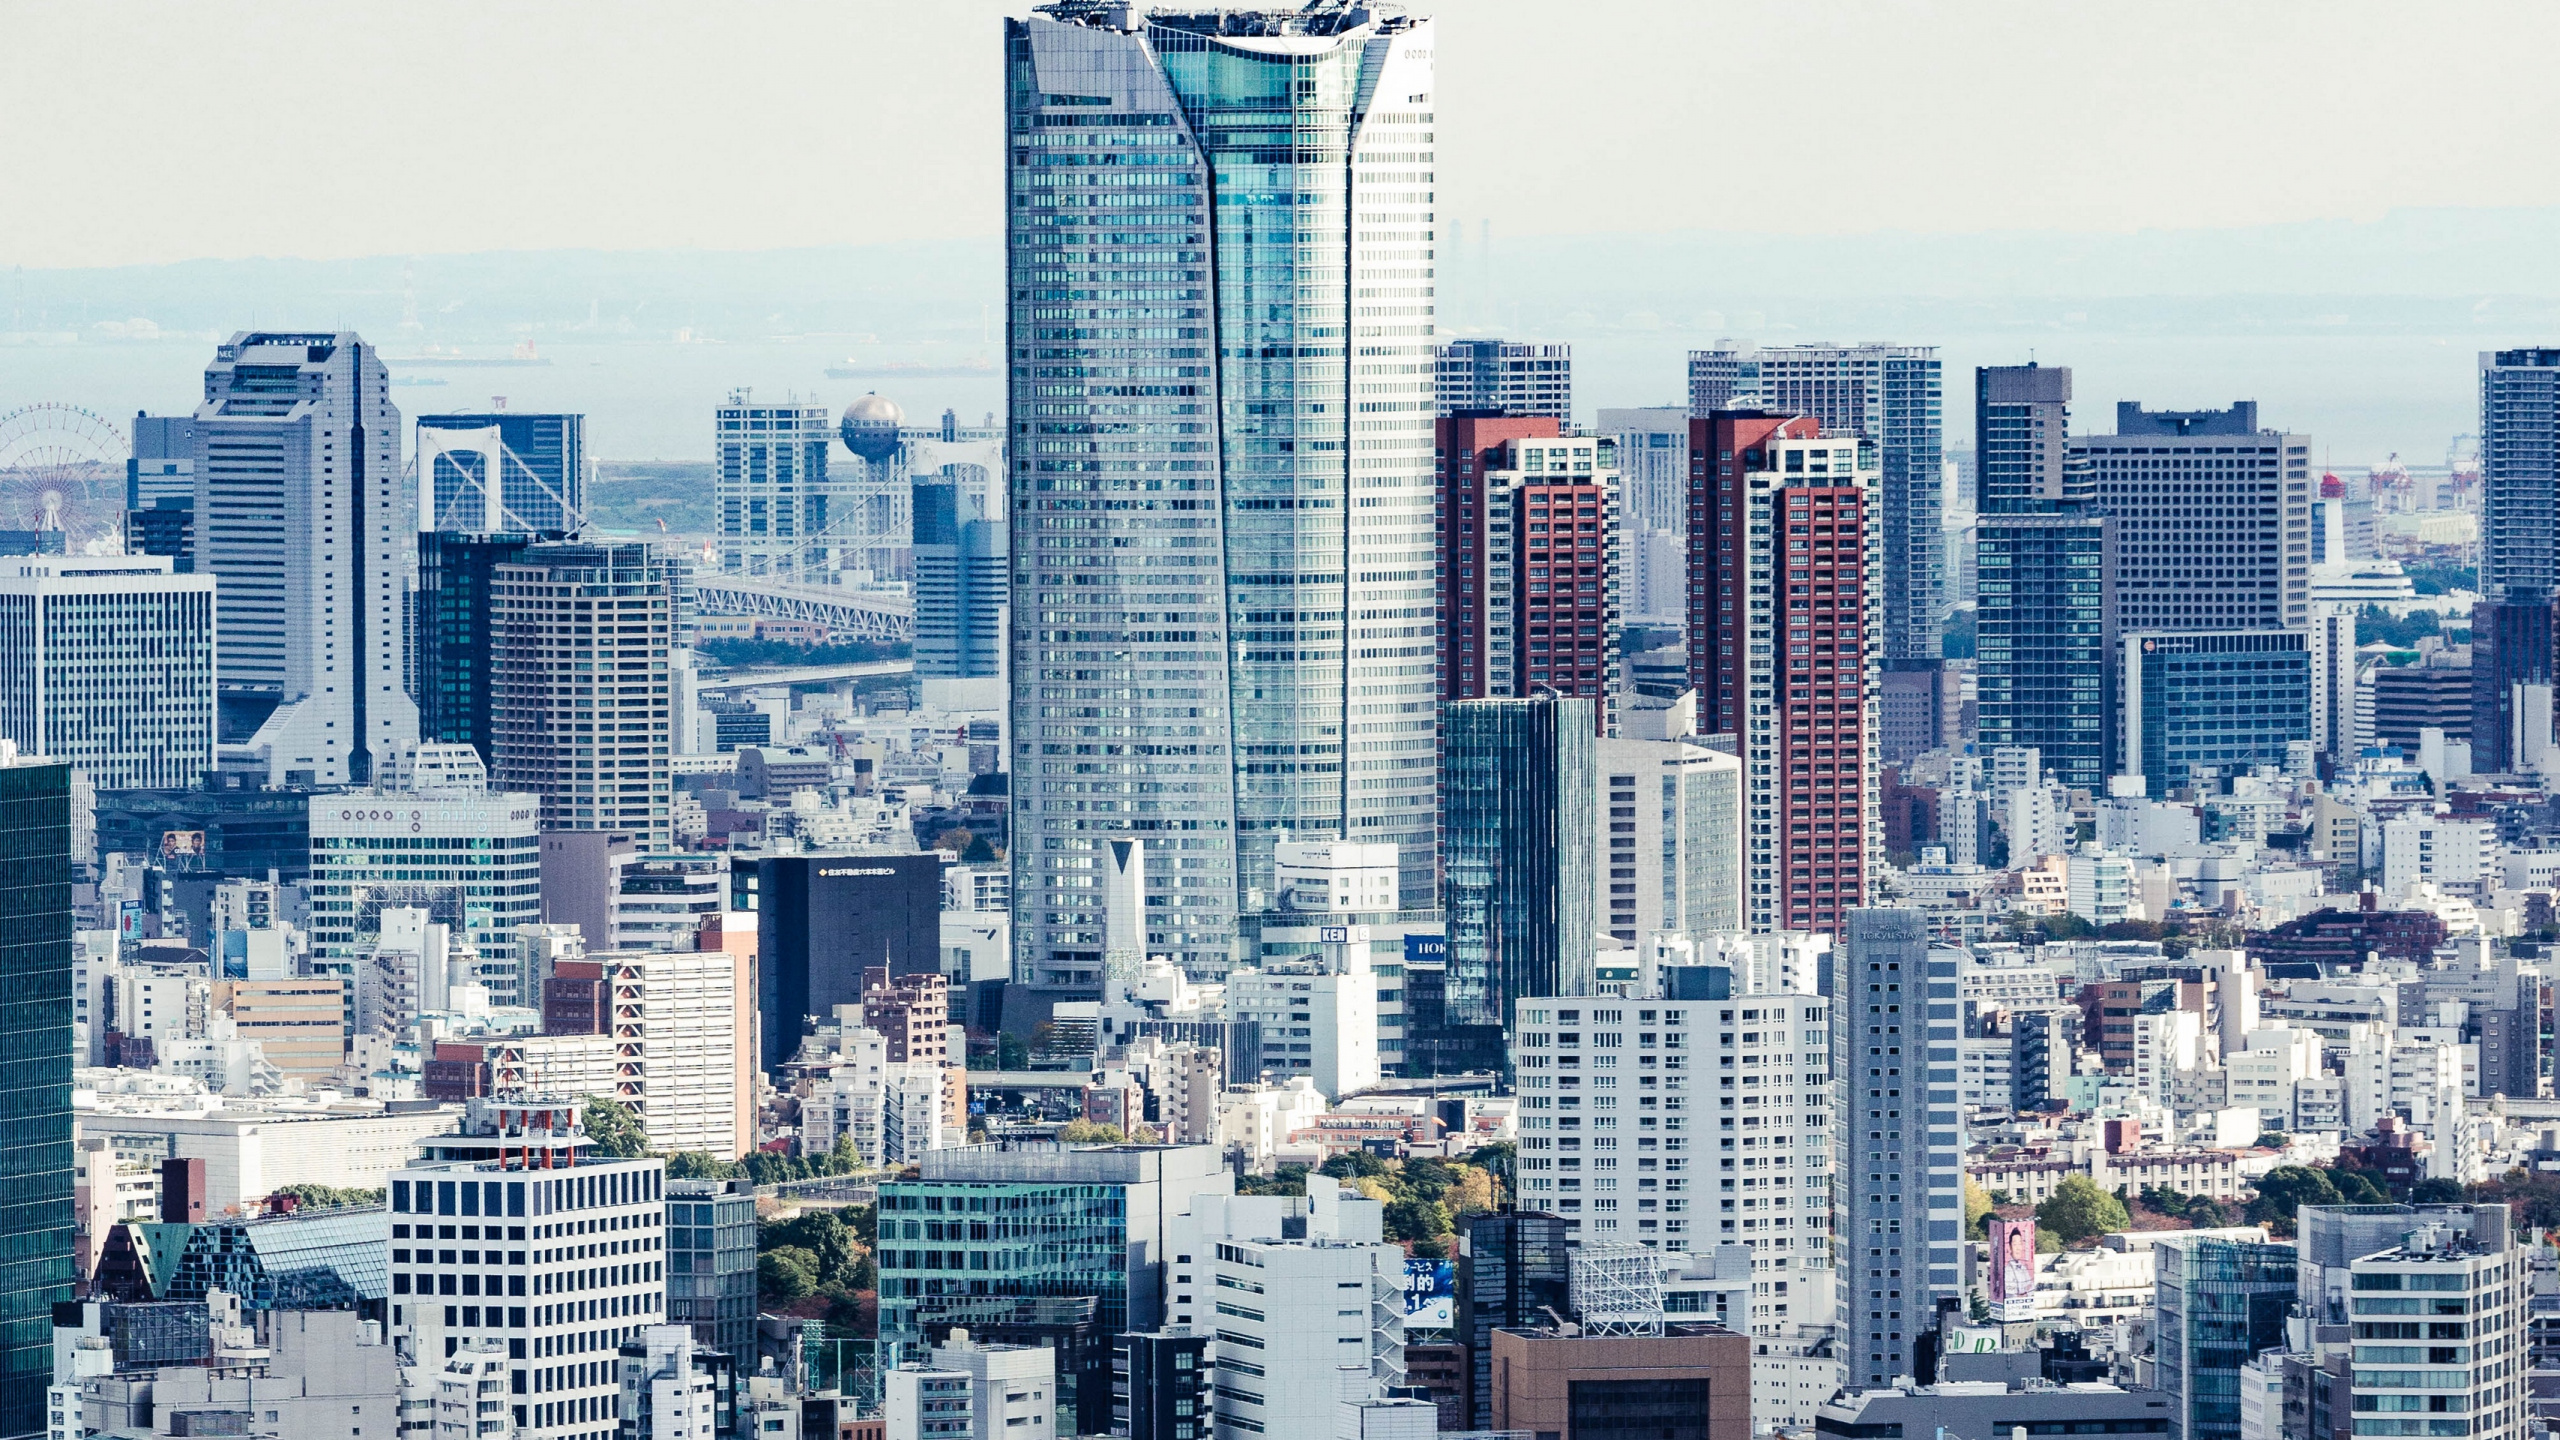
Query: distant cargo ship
{"x":853,"y":369}
{"x":523,"y":354}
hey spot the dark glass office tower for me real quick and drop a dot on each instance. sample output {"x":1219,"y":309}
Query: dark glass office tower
{"x":1160,"y":1385}
{"x":821,"y":920}
{"x":2044,"y":632}
{"x":455,"y":700}
{"x":35,"y":1080}
{"x":2511,"y":645}
{"x":2224,"y":700}
{"x":1514,"y":1268}
{"x":1520,"y":794}
{"x":2044,"y":572}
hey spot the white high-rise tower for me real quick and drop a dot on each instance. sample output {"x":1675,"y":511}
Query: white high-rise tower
{"x":302,"y":519}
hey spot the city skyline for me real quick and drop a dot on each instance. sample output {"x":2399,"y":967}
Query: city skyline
{"x":1229,"y":806}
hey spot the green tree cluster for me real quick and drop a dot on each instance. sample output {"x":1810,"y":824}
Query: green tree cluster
{"x":2201,"y":1212}
{"x":817,"y":1252}
{"x":2078,"y":1210}
{"x":2287,"y":1188}
{"x":309,"y":1196}
{"x":613,"y":1128}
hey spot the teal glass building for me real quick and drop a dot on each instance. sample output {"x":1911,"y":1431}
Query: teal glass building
{"x":1520,"y":788}
{"x":985,"y":1224}
{"x":2219,"y":1303}
{"x":1222,"y":352}
{"x":2227,"y":700}
{"x":35,"y":1080}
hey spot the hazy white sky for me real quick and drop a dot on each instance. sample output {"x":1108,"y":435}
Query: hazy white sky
{"x":146,"y":132}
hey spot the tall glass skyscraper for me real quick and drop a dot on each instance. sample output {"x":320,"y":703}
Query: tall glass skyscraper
{"x":1220,"y":317}
{"x":2044,"y":638}
{"x":35,"y":1080}
{"x":1520,"y":781}
{"x":2044,"y":578}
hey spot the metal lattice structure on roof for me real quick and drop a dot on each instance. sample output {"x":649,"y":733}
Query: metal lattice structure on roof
{"x":1617,"y":1290}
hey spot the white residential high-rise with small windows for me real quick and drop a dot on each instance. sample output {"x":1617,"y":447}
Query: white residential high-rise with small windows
{"x":107,"y":664}
{"x":680,"y":1042}
{"x":1318,"y":1016}
{"x":1289,"y":1318}
{"x":581,"y":637}
{"x":2440,"y":1328}
{"x":1686,"y":1124}
{"x":1671,"y":838}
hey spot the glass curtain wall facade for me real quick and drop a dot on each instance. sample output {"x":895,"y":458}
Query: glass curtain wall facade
{"x":2228,"y":702}
{"x":455,"y":635}
{"x":2220,"y":1304}
{"x":1521,"y":783}
{"x":2043,"y":625}
{"x":35,"y":1082}
{"x":1222,"y":370}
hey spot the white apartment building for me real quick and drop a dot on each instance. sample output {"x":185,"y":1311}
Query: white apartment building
{"x":468,"y":857}
{"x":926,"y":1402}
{"x":1259,"y":1119}
{"x":978,"y":889}
{"x":471,"y":1391}
{"x":1285,"y":1316}
{"x":1986,"y":1073}
{"x":557,"y":1262}
{"x":1322,"y":877}
{"x":665,"y":1394}
{"x":1319,"y":1017}
{"x":2102,"y":890}
{"x":1013,"y":1389}
{"x":2264,"y":1075}
{"x":2040,"y":823}
{"x":107,"y":664}
{"x":2454,"y":1301}
{"x":1671,"y":839}
{"x":659,"y":901}
{"x":2459,"y":857}
{"x":1685,"y":1124}
{"x":2164,"y":1044}
{"x":680,"y":1038}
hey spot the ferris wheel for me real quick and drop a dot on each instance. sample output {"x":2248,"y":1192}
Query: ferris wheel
{"x":62,"y":468}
